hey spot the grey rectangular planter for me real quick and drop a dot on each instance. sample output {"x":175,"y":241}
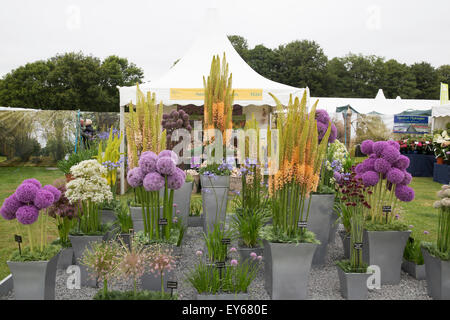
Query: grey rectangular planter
{"x":214,"y":200}
{"x":414,"y":270}
{"x":319,"y":221}
{"x":195,"y":221}
{"x":6,"y":285}
{"x":107,"y":216}
{"x":385,"y":249}
{"x":152,"y":281}
{"x":287,"y":268}
{"x":34,"y":280}
{"x":333,"y":228}
{"x":244,"y":253}
{"x":79,"y":245}
{"x":223,"y":296}
{"x":353,"y":285}
{"x":136,"y":216}
{"x":438,"y":276}
{"x":345,"y":238}
{"x":66,"y":258}
{"x":182,"y":198}
{"x":217,"y":181}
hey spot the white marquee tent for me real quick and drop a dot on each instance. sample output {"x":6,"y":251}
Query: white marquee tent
{"x":440,"y":116}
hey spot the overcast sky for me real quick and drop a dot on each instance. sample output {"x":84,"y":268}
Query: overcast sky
{"x":153,"y":34}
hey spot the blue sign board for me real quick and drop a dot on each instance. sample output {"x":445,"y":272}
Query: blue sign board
{"x":411,"y":124}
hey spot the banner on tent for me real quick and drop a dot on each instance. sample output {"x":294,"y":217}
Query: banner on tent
{"x":411,"y":124}
{"x":444,"y":93}
{"x":199,"y":94}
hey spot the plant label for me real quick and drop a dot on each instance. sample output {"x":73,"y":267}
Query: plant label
{"x":226,"y":241}
{"x":302,"y":224}
{"x":172,"y":285}
{"x":162,"y":222}
{"x":17,"y":238}
{"x":220,"y":264}
{"x":387,"y":209}
{"x":358,"y":246}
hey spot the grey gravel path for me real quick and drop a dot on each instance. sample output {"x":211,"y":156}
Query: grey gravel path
{"x":323,"y":284}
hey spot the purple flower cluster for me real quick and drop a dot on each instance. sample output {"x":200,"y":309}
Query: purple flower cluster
{"x":385,"y":162}
{"x":62,"y":207}
{"x":153,"y":169}
{"x":323,"y":120}
{"x":29,"y":198}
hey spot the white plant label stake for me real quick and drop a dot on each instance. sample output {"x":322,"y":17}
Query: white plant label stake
{"x":74,"y":280}
{"x":374,"y":281}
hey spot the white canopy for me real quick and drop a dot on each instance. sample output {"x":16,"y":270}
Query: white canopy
{"x":183,"y":83}
{"x":441,"y":116}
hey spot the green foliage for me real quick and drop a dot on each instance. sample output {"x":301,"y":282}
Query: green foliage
{"x":247,"y":224}
{"x":68,"y":82}
{"x":130,"y":295}
{"x":142,"y":239}
{"x":124,"y":217}
{"x":412,"y":252}
{"x":75,"y":158}
{"x":435,"y":252}
{"x":346,"y":266}
{"x":196,"y":207}
{"x":217,"y":251}
{"x":215,"y":169}
{"x":371,"y":127}
{"x":395,"y":225}
{"x":49,"y":252}
{"x":324,"y":189}
{"x":270,"y":234}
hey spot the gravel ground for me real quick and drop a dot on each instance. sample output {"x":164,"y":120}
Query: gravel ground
{"x":323,"y":283}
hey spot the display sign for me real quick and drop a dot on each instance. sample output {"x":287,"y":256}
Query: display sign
{"x":411,"y":124}
{"x":199,"y":94}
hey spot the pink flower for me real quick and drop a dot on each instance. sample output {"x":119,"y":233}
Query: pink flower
{"x":175,"y":220}
{"x":233,"y":249}
{"x":234,"y":262}
{"x":253,"y":255}
{"x":410,"y":226}
{"x":199,"y":253}
{"x":425,"y":232}
{"x":259,"y":258}
{"x":174,"y":205}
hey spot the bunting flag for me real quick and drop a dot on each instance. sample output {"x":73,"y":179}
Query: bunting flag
{"x":444,"y":93}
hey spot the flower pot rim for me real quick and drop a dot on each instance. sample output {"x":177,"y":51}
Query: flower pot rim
{"x":386,"y":231}
{"x":34,"y":261}
{"x":353,"y":273}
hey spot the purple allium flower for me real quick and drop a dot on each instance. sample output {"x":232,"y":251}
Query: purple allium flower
{"x":410,"y":226}
{"x":135,"y":177}
{"x":333,"y":134}
{"x":176,"y":180}
{"x":175,"y":205}
{"x":147,"y":162}
{"x":33,"y":181}
{"x":381,"y":165}
{"x":26,"y":192}
{"x":153,"y":181}
{"x":27,"y":214}
{"x":9,"y":207}
{"x":407,"y":179}
{"x":234,"y":262}
{"x":165,"y":166}
{"x":366,"y":147}
{"x":394,"y":144}
{"x":233,"y":249}
{"x":370,"y":178}
{"x":177,"y":212}
{"x":426,"y":232}
{"x":253,"y":255}
{"x":359,"y":169}
{"x":337,"y":176}
{"x":322,"y":116}
{"x":390,"y":154}
{"x":404,"y":193}
{"x":43,"y":199}
{"x":56,"y":193}
{"x":169,"y":153}
{"x":378,"y":147}
{"x":321,"y":130}
{"x":395,"y":176}
{"x":368,"y":165}
{"x":402,"y":163}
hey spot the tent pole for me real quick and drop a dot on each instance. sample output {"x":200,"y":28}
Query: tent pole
{"x":122,"y":149}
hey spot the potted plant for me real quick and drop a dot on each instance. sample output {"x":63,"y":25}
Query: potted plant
{"x":125,"y":224}
{"x":441,"y":145}
{"x":224,"y":282}
{"x":195,"y":218}
{"x":353,"y":273}
{"x":33,"y":267}
{"x":413,"y":263}
{"x":65,"y":215}
{"x":437,"y":255}
{"x":90,"y":189}
{"x":385,"y":236}
{"x":289,"y":246}
{"x":74,"y":159}
{"x":161,"y":265}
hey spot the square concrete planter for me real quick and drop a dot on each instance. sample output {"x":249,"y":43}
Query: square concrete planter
{"x":136,"y":216}
{"x":66,"y":258}
{"x":34,"y":280}
{"x":438,"y":276}
{"x":107,"y":216}
{"x":333,"y":228}
{"x":345,"y":238}
{"x":195,"y":221}
{"x":152,"y":281}
{"x":214,"y":200}
{"x":385,"y":249}
{"x":353,"y":285}
{"x":414,"y":270}
{"x":223,"y":296}
{"x":182,"y":198}
{"x":79,"y":245}
{"x":287,"y":268}
{"x":124,"y":238}
{"x":319,"y":221}
{"x":244,"y":253}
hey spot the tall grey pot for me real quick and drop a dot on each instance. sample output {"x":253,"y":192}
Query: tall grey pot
{"x":287,"y":268}
{"x":138,"y":221}
{"x":319,"y":221}
{"x":182,"y":198}
{"x":385,"y":249}
{"x":353,"y":285}
{"x":438,"y":276}
{"x":333,"y":228}
{"x":214,"y":200}
{"x":34,"y":280}
{"x":107,"y":216}
{"x":79,"y":245}
{"x":345,"y":237}
{"x":66,"y":258}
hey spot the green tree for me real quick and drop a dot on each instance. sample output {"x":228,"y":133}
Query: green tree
{"x":240,"y":45}
{"x":399,"y":81}
{"x":264,"y":61}
{"x":427,"y":80}
{"x":444,"y":74}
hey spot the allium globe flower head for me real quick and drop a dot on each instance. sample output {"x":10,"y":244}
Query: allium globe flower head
{"x":378,"y":147}
{"x":395,"y":176}
{"x":368,"y":165}
{"x":322,"y":116}
{"x":43,"y":199}
{"x":26,"y":192}
{"x":33,"y":181}
{"x":9,"y":207}
{"x":321,"y":130}
{"x":370,"y":178}
{"x":135,"y":177}
{"x":147,"y":162}
{"x":333,"y":134}
{"x":407,"y":179}
{"x":366,"y":147}
{"x":165,"y":166}
{"x":253,"y":255}
{"x":382,"y":166}
{"x":390,"y":154}
{"x":404,"y":193}
{"x":359,"y":169}
{"x":55,"y":191}
{"x":27,"y":214}
{"x":234,"y":262}
{"x":176,"y":180}
{"x":169,"y":153}
{"x":402,"y":163}
{"x":337,"y":176}
{"x":153,"y":181}
{"x":394,"y":144}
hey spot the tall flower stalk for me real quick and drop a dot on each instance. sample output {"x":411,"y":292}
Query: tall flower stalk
{"x":443,"y":232}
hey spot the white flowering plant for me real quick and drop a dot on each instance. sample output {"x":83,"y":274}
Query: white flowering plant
{"x":90,"y":189}
{"x":337,"y":156}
